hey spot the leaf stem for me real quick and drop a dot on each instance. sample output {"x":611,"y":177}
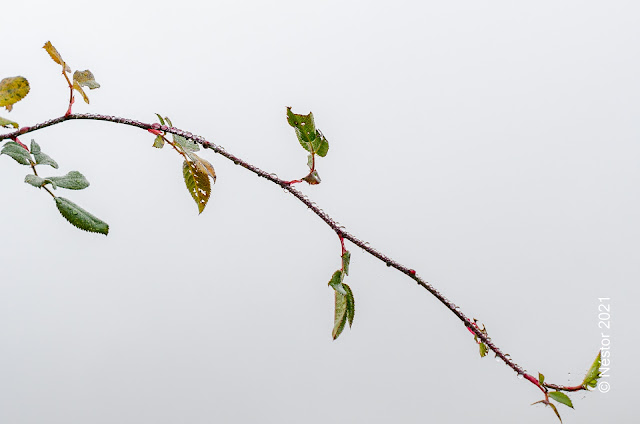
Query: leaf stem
{"x":33,"y":167}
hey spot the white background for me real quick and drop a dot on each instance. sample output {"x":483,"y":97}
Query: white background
{"x":492,"y":146}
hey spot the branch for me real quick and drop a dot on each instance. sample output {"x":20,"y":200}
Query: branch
{"x":338,"y":229}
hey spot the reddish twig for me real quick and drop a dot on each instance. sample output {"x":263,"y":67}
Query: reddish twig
{"x":338,"y":229}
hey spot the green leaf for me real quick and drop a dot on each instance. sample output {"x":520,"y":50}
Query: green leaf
{"x":186,"y":144}
{"x":34,"y":147}
{"x":38,"y":182}
{"x":346,"y":258}
{"x":591,"y":379}
{"x":562,"y":398}
{"x":323,"y":147}
{"x":340,"y":314}
{"x":336,"y":282}
{"x":198,"y":184}
{"x":44,"y":159}
{"x":305,"y":128}
{"x":310,"y":161}
{"x":12,"y":90}
{"x":541,"y":378}
{"x":158,"y":142}
{"x":72,"y":181}
{"x":80,"y":218}
{"x":17,"y":152}
{"x":351,"y":304}
{"x":7,"y":123}
{"x":166,"y":118}
{"x":483,"y":349}
{"x":160,"y":118}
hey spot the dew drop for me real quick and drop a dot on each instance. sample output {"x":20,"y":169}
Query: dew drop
{"x":520,"y":376}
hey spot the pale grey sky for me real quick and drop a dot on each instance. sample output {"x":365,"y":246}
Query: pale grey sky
{"x":492,"y":146}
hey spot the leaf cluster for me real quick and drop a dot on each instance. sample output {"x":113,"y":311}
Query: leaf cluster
{"x":73,"y":180}
{"x":196,"y":171}
{"x":311,"y":139}
{"x":80,"y":78}
{"x":343,"y":297}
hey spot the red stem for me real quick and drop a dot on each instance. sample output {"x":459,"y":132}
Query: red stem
{"x":338,"y":229}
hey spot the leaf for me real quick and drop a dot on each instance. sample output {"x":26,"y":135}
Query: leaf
{"x":547,"y":403}
{"x":44,"y":159}
{"x":12,"y":90}
{"x":313,"y":178}
{"x":204,"y":166}
{"x":72,"y":181}
{"x":483,"y":349}
{"x":186,"y":144}
{"x":323,"y":146}
{"x":56,"y":56}
{"x":41,"y":158}
{"x":160,"y":118}
{"x":79,"y":89}
{"x":85,"y":79}
{"x":17,"y":152}
{"x":197,"y":183}
{"x":336,"y":282}
{"x":555,"y":410}
{"x":562,"y":398}
{"x":38,"y":182}
{"x":310,"y":161}
{"x":351,"y":304}
{"x":34,"y":147}
{"x":591,"y":379}
{"x":346,"y":258}
{"x":80,"y":218}
{"x":7,"y":123}
{"x":340,"y":314}
{"x":305,"y":128}
{"x":158,"y":142}
{"x":541,"y":378}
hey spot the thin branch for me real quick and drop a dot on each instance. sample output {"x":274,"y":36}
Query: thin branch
{"x":338,"y":229}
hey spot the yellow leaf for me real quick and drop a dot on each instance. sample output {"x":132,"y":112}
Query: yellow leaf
{"x":77,"y":87}
{"x":7,"y":123}
{"x":13,"y":90}
{"x":197,"y":183}
{"x":56,"y":56}
{"x":86,"y":79}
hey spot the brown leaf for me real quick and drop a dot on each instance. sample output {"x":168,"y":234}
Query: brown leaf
{"x":204,"y":166}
